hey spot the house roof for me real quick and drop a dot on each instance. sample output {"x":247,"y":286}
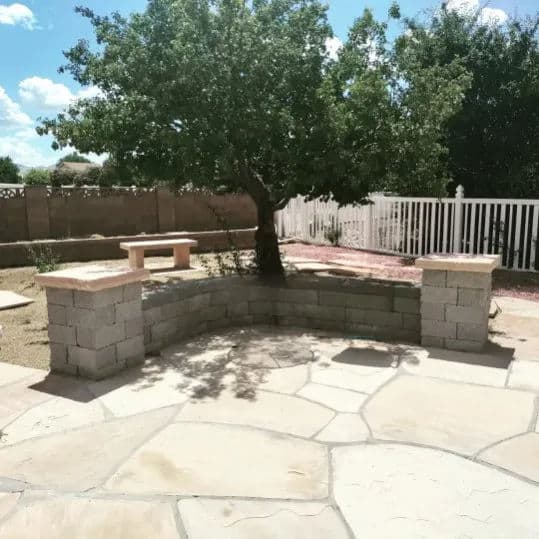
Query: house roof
{"x":79,"y":168}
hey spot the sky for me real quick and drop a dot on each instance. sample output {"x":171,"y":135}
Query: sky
{"x":33,"y":34}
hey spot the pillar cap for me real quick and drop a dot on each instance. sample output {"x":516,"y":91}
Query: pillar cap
{"x":459,"y":262}
{"x":91,"y":278}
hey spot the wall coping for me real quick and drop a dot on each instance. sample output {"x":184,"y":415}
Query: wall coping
{"x":91,"y":278}
{"x":455,"y":262}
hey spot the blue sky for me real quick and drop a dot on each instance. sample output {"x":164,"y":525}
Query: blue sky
{"x":33,"y":34}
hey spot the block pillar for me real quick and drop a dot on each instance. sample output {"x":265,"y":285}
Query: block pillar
{"x":455,"y":300}
{"x":95,"y":319}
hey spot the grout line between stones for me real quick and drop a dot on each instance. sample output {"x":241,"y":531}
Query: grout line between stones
{"x":133,"y":450}
{"x":180,"y":528}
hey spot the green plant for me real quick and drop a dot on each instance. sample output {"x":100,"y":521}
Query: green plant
{"x":333,"y":232}
{"x":43,"y":258}
{"x":9,"y":171}
{"x":38,"y":176}
{"x":231,"y":261}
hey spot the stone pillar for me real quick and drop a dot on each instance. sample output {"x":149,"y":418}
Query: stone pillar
{"x":455,"y":300}
{"x":95,"y":319}
{"x":37,"y":213}
{"x":166,"y":211}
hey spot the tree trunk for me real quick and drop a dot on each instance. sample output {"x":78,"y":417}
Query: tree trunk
{"x":268,"y":256}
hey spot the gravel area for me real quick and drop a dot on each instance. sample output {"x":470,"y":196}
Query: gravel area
{"x":516,"y":284}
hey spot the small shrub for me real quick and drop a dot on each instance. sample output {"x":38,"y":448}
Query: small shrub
{"x":333,"y":232}
{"x":44,"y":258}
{"x":38,"y":176}
{"x":231,"y":261}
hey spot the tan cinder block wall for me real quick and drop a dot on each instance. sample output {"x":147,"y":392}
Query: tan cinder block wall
{"x":38,"y":213}
{"x":16,"y":254}
{"x":13,"y":222}
{"x":364,"y":308}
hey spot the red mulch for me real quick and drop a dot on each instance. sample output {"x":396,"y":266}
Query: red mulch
{"x":524,"y":285}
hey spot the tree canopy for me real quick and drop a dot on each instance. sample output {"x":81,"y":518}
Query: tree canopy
{"x":73,"y":157}
{"x":244,"y":96}
{"x":492,"y":139}
{"x":9,"y":171}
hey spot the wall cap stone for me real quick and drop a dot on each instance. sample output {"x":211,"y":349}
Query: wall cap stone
{"x":91,"y":278}
{"x":456,"y":262}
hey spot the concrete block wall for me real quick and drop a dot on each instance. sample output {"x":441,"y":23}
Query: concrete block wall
{"x":369,"y":308}
{"x":454,"y":309}
{"x":95,"y":334}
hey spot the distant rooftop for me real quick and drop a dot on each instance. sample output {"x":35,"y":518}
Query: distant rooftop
{"x":79,"y":168}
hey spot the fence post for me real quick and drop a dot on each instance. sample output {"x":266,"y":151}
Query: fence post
{"x":368,"y":226}
{"x":37,"y":212}
{"x":457,"y":226}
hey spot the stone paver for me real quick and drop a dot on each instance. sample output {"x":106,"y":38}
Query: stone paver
{"x":519,"y":455}
{"x":14,"y":373}
{"x":8,"y":500}
{"x":459,"y":417}
{"x":344,"y":428}
{"x":224,"y":460}
{"x":80,"y":459}
{"x":242,"y":519}
{"x":55,"y":415}
{"x":341,"y":400}
{"x":79,"y":518}
{"x":270,"y":411}
{"x":457,"y":366}
{"x":155,"y":384}
{"x":288,"y":380}
{"x":409,"y":492}
{"x":247,"y":445}
{"x":15,"y":399}
{"x":360,"y":367}
{"x":524,"y":375}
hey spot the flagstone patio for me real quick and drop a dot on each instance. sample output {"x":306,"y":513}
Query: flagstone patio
{"x":275,"y":433}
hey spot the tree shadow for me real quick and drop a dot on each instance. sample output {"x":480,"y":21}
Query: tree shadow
{"x":237,"y":361}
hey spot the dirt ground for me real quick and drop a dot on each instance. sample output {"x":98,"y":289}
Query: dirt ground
{"x":25,"y":340}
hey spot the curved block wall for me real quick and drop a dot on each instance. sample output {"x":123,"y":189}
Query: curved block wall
{"x":368,"y":308}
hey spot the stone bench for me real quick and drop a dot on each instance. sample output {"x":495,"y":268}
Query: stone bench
{"x":180,"y":248}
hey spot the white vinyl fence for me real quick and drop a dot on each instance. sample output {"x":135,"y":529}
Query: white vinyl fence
{"x":417,"y":226}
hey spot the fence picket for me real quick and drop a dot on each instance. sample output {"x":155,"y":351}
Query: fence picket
{"x":416,"y":226}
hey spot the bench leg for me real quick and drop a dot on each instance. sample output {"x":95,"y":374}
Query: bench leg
{"x":136,"y":259}
{"x":181,"y":257}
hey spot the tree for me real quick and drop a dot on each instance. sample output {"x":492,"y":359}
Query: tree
{"x":9,"y":171}
{"x":38,"y":176}
{"x":492,"y":139}
{"x":389,"y":115}
{"x":73,"y":158}
{"x":242,"y":95}
{"x":214,"y":93}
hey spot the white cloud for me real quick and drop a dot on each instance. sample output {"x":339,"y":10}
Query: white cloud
{"x":17,"y":14}
{"x":23,"y":152}
{"x":333,"y":44}
{"x":46,"y":94}
{"x":11,"y":114}
{"x":492,"y":16}
{"x":487,"y":15}
{"x":24,"y":148}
